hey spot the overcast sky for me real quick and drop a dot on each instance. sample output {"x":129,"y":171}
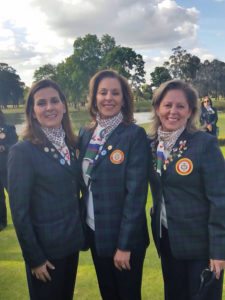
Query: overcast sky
{"x":36,"y":32}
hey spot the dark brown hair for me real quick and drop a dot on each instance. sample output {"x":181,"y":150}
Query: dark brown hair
{"x":128,"y":106}
{"x":32,"y":129}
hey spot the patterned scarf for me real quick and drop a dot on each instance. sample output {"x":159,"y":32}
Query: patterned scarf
{"x":103,"y":130}
{"x":167,"y":140}
{"x":57,"y":137}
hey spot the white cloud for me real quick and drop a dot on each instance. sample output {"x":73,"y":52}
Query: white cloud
{"x":35,"y":32}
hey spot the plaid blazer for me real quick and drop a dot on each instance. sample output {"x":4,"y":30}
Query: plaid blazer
{"x":119,"y":189}
{"x":44,"y":202}
{"x":193,"y":186}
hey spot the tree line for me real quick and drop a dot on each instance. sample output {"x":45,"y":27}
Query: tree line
{"x":91,"y":54}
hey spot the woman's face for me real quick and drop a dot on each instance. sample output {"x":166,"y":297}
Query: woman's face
{"x":109,"y":97}
{"x":48,"y":108}
{"x":206,"y":102}
{"x":173,"y":110}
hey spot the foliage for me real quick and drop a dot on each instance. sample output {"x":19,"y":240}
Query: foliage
{"x":182,"y":64}
{"x":47,"y":71}
{"x":91,"y":54}
{"x":160,"y":75}
{"x":11,"y":86}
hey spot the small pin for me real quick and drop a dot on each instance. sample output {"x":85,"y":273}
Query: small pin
{"x":104,"y":152}
{"x":46,"y":149}
{"x":109,"y":147}
{"x":52,"y":150}
{"x":62,"y":161}
{"x":55,"y":155}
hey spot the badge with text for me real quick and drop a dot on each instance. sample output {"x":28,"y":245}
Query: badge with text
{"x":184,"y":166}
{"x":117,"y":157}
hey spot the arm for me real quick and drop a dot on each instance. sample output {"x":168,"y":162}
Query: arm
{"x":136,"y":186}
{"x":21,"y":179}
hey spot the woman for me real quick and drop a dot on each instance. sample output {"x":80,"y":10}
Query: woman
{"x":114,"y":163}
{"x":209,"y":116}
{"x":8,"y":137}
{"x":43,"y":192}
{"x":189,"y":195}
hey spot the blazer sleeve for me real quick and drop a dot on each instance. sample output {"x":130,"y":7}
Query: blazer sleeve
{"x":134,"y":216}
{"x":213,"y":170}
{"x":21,"y":180}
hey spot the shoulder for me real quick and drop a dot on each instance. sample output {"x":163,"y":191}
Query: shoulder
{"x":202,"y":140}
{"x":21,"y":146}
{"x":133,"y":129}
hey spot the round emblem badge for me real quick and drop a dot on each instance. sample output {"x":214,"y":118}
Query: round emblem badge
{"x":117,"y":157}
{"x":184,"y":166}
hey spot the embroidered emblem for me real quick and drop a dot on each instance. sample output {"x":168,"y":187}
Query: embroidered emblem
{"x":184,"y":166}
{"x":117,"y":157}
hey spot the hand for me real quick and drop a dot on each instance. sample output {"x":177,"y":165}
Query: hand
{"x":122,"y":260}
{"x":217,"y":266}
{"x":209,"y":127}
{"x":41,"y":272}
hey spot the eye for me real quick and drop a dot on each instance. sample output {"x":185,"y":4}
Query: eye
{"x":55,"y":100}
{"x":167,"y":105}
{"x":41,"y":102}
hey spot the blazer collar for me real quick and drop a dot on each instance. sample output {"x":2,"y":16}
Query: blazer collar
{"x":52,"y":153}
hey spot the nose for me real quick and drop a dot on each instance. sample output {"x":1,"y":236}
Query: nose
{"x":49,"y":105}
{"x":173,"y":109}
{"x":108,"y":96}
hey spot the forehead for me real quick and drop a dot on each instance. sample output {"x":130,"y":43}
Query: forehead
{"x":46,"y":93}
{"x":175,"y":95}
{"x":109,"y":82}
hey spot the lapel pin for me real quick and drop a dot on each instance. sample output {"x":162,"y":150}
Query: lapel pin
{"x":62,"y":161}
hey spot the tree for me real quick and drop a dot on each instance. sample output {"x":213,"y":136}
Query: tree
{"x":159,"y":75}
{"x":11,"y":86}
{"x":47,"y":71}
{"x":182,"y":65}
{"x":89,"y":56}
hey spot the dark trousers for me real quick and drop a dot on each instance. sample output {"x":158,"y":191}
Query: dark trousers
{"x":182,"y":277}
{"x":115,"y":284}
{"x":61,"y":287}
{"x":3,"y":212}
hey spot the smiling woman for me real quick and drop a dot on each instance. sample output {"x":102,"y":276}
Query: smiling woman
{"x":188,"y":195}
{"x":43,"y":194}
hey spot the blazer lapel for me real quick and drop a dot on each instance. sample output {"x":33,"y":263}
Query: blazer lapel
{"x":110,"y":145}
{"x":178,"y":151}
{"x":52,"y":153}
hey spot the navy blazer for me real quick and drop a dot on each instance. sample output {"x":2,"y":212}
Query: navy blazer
{"x":193,"y":186}
{"x":119,"y":190}
{"x":44,"y":202}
